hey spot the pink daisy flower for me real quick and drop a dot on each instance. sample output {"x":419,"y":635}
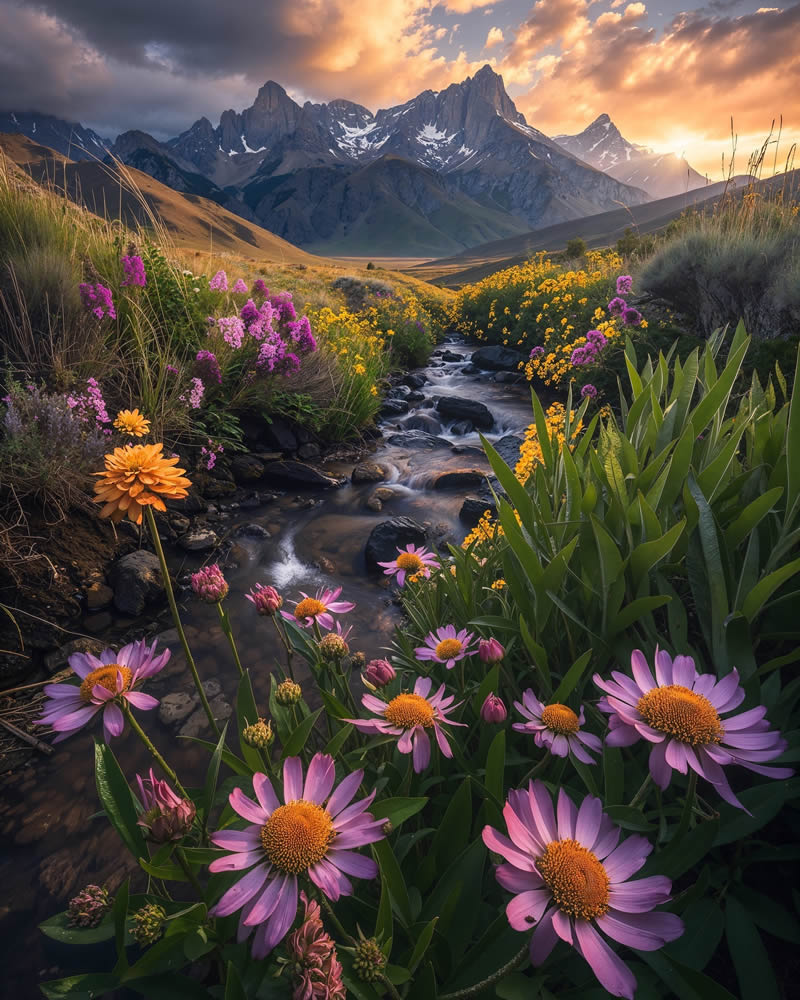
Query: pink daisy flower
{"x":410,"y":560}
{"x":570,"y":880}
{"x":320,"y":609}
{"x":679,"y":712}
{"x":557,"y":728}
{"x":409,"y":715}
{"x":446,"y":646}
{"x":106,"y":680}
{"x":311,"y":834}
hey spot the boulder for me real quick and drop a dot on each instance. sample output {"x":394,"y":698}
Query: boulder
{"x":458,"y":478}
{"x":308,"y":450}
{"x":192,"y":503}
{"x":462,"y":427}
{"x":300,"y":474}
{"x":253,"y":530}
{"x":215,"y":489}
{"x":199,"y":540}
{"x":388,"y":536}
{"x":496,"y":358}
{"x":278,"y":434}
{"x":510,"y":378}
{"x":378,"y":498}
{"x":473,"y":509}
{"x":423,"y":422}
{"x":414,"y":381}
{"x":450,"y":356}
{"x":508,"y":449}
{"x":247,"y":468}
{"x":393,"y":407}
{"x":399,"y":392}
{"x":174,"y":708}
{"x":135,"y":579}
{"x":98,"y":596}
{"x":417,"y":439}
{"x":415,"y":396}
{"x":458,"y":408}
{"x":368,"y":472}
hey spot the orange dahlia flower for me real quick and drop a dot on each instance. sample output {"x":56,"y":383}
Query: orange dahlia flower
{"x":135,"y":477}
{"x":132,"y":422}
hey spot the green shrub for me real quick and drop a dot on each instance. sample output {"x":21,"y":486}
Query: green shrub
{"x":575,"y":248}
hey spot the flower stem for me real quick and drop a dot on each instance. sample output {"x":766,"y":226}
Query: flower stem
{"x":495,"y":977}
{"x":536,"y":770}
{"x":640,"y":796}
{"x":151,"y":523}
{"x":688,"y":805}
{"x":335,"y":920}
{"x":187,"y":870}
{"x":173,"y":777}
{"x":226,"y":628}
{"x":285,"y":643}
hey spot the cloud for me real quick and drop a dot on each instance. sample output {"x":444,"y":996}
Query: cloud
{"x":495,"y":37}
{"x":465,"y":6}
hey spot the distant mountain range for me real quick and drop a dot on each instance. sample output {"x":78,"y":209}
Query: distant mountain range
{"x":602,"y":146}
{"x":443,"y":172}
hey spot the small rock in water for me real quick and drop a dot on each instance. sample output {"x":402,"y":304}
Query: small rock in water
{"x":451,"y":356}
{"x":399,"y":392}
{"x":459,"y":408}
{"x":135,"y":579}
{"x":462,"y":427}
{"x":378,"y":497}
{"x":423,"y":422}
{"x":394,"y":407}
{"x":415,"y":381}
{"x":174,"y":708}
{"x":509,"y":378}
{"x":247,"y":468}
{"x":496,"y":358}
{"x":473,"y":509}
{"x":199,"y":540}
{"x":458,"y":478}
{"x":389,"y":536}
{"x":309,"y":450}
{"x":253,"y":530}
{"x":416,"y":396}
{"x":302,"y":475}
{"x":368,"y":472}
{"x":417,"y":439}
{"x":326,"y":565}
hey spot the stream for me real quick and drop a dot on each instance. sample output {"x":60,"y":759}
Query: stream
{"x":52,"y":845}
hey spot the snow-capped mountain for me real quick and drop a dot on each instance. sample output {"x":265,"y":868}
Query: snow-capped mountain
{"x":603,"y":146}
{"x":68,"y":138}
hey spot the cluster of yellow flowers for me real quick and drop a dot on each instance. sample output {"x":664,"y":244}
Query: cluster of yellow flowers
{"x":355,"y":340}
{"x":531,"y":451}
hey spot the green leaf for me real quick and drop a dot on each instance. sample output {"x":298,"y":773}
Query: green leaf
{"x":682,"y":855}
{"x":637,"y":609}
{"x":117,"y":799}
{"x":715,"y":574}
{"x":390,"y":872}
{"x":516,"y":492}
{"x":297,"y":740}
{"x":495,"y":766}
{"x":572,"y":677}
{"x":120,"y":914}
{"x":337,"y":741}
{"x":613,"y":774}
{"x":451,"y":837}
{"x":751,"y":516}
{"x":648,"y":554}
{"x":58,"y":927}
{"x":716,"y":398}
{"x":750,"y":958}
{"x":793,"y":447}
{"x":210,"y":788}
{"x":247,"y":715}
{"x":383,"y":922}
{"x":233,"y":984}
{"x":397,"y":810}
{"x":542,"y":432}
{"x":422,"y":945}
{"x":333,"y":706}
{"x":629,"y":818}
{"x":86,"y":986}
{"x":236,"y":764}
{"x":167,"y":873}
{"x":765,"y":588}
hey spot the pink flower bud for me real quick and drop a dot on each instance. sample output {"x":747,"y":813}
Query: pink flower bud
{"x":267,"y":600}
{"x":166,"y":815}
{"x":378,"y":673}
{"x":209,"y":584}
{"x":493,"y":710}
{"x":490,"y":651}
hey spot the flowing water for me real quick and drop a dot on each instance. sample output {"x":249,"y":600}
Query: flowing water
{"x":52,"y":843}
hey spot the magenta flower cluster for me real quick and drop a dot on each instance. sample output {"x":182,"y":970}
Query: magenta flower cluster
{"x":194,"y":397}
{"x":210,"y":452}
{"x":537,"y":352}
{"x":97,"y":299}
{"x":219,"y":283}
{"x":208,"y":367}
{"x":590,"y":352}
{"x":91,"y":404}
{"x":239,"y":287}
{"x":135,"y":275}
{"x":589,"y":390}
{"x":619,"y":307}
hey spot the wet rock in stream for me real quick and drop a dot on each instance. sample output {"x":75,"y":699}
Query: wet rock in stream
{"x":460,"y":408}
{"x":458,"y":478}
{"x":135,"y":579}
{"x":300,"y":474}
{"x":496,"y":359}
{"x":389,"y":536}
{"x":368,"y":472}
{"x":417,"y":439}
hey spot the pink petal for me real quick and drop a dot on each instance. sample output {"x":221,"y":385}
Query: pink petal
{"x":663,"y":667}
{"x":113,"y":721}
{"x":422,"y":749}
{"x":542,"y":811}
{"x":281,"y":919}
{"x":544,"y":938}
{"x":423,"y":686}
{"x":292,"y":779}
{"x":684,"y":671}
{"x":622,"y":736}
{"x":610,"y":970}
{"x":641,"y":671}
{"x":343,"y":795}
{"x":441,"y":739}
{"x":627,"y":858}
{"x":642,"y":895}
{"x":328,"y":878}
{"x":562,"y":925}
{"x":511,"y":878}
{"x":645,"y":931}
{"x":246,"y":808}
{"x":675,"y":755}
{"x":319,"y":778}
{"x":660,"y":770}
{"x":236,"y":862}
{"x":357,"y":865}
{"x":238,"y":840}
{"x":144,"y":702}
{"x":265,"y":794}
{"x":266,"y":902}
{"x":501,"y":845}
{"x":524,"y":910}
{"x":588,"y":826}
{"x":566,"y":814}
{"x":240,"y":893}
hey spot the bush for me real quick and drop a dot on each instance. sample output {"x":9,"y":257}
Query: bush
{"x":575,"y":248}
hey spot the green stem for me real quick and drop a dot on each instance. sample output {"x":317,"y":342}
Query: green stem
{"x":226,"y":628}
{"x":151,"y":523}
{"x":688,"y":805}
{"x":641,"y":794}
{"x":173,"y":777}
{"x":390,"y":987}
{"x":536,"y":770}
{"x":335,"y":920}
{"x":187,"y":870}
{"x":285,"y":643}
{"x":495,"y":977}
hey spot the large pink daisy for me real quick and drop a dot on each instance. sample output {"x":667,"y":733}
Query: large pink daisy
{"x":320,"y":609}
{"x":410,"y":560}
{"x":679,"y":712}
{"x":312,"y":833}
{"x":106,"y":680}
{"x":446,"y":646}
{"x":409,"y":715}
{"x":556,"y":727}
{"x":570,"y":880}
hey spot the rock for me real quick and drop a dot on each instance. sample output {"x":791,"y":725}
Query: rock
{"x":252,"y":530}
{"x":326,"y":565}
{"x":247,"y":468}
{"x":215,"y":489}
{"x":379,"y":497}
{"x":459,"y":408}
{"x":473,"y":509}
{"x":98,"y":623}
{"x":415,"y":396}
{"x":199,"y":540}
{"x":450,"y":356}
{"x":417,"y":439}
{"x":179,"y":522}
{"x":415,"y":381}
{"x":212,"y":689}
{"x":386,"y":537}
{"x":197,"y":723}
{"x":99,"y":596}
{"x":375,"y":503}
{"x":470,"y":370}
{"x":462,"y":427}
{"x":309,"y":450}
{"x":302,"y":475}
{"x":496,"y":358}
{"x":192,"y":503}
{"x":368,"y":472}
{"x":278,"y":434}
{"x":57,"y":659}
{"x":508,"y":449}
{"x":174,"y":708}
{"x":393,"y":407}
{"x":458,"y":478}
{"x":135,"y":579}
{"x":423,"y":422}
{"x":510,"y":378}
{"x":399,"y":392}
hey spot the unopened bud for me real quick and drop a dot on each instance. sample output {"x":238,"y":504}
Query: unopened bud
{"x":332,"y":647}
{"x":490,"y":651}
{"x":89,"y":907}
{"x":288,"y":693}
{"x":493,"y":710}
{"x":148,"y":924}
{"x":378,"y":673}
{"x":209,"y":584}
{"x":368,"y":960}
{"x":267,"y":600}
{"x":259,"y":735}
{"x":388,"y":827}
{"x":358,"y":660}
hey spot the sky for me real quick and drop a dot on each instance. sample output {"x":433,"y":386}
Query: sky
{"x":671,"y":75}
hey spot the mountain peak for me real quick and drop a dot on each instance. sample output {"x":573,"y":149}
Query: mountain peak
{"x":603,"y":119}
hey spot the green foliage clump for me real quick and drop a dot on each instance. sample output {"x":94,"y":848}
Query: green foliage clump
{"x":576,"y":247}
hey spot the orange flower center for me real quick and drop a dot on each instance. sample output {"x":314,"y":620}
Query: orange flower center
{"x":407,"y":710}
{"x":106,"y":677}
{"x":409,"y":561}
{"x":560,"y":719}
{"x":310,"y":607}
{"x":679,"y":712}
{"x":577,"y":880}
{"x":297,"y":836}
{"x":448,"y":648}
